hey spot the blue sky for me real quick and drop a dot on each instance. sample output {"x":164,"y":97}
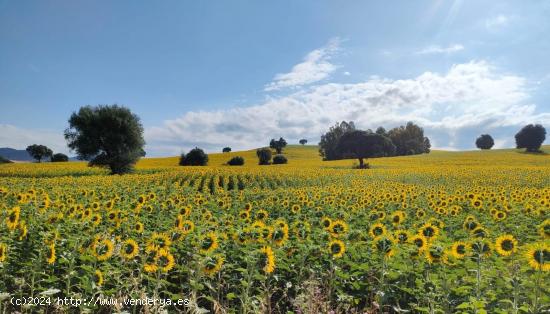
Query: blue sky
{"x":237,"y":73}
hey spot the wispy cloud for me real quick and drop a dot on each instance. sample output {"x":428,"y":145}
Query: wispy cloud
{"x":496,"y":22}
{"x":315,"y":67}
{"x":436,"y":49}
{"x":454,"y":107}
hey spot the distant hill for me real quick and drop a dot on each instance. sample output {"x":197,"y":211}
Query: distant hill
{"x":15,"y":154}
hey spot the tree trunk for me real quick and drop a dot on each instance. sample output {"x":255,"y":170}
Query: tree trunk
{"x":361,"y":163}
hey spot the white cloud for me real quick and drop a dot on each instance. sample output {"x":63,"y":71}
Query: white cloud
{"x":436,"y":49}
{"x":497,"y":22}
{"x":453,"y":107}
{"x":315,"y":67}
{"x":19,"y":138}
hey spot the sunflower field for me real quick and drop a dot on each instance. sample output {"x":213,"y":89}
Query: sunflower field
{"x":448,"y":232}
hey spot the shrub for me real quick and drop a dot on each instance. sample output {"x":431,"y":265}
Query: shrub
{"x":59,"y":158}
{"x":195,"y":157}
{"x":264,"y":155}
{"x":236,"y":161}
{"x":531,"y":137}
{"x":485,"y":141}
{"x":279,"y":159}
{"x":303,"y":141}
{"x":226,"y":149}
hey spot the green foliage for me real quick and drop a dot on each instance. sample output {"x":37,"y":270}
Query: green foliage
{"x":107,"y":136}
{"x":409,"y":140}
{"x":303,"y":141}
{"x":485,"y":141}
{"x":39,"y":152}
{"x":362,"y":144}
{"x":4,"y":160}
{"x":329,"y":141}
{"x":236,"y":161}
{"x":226,"y":149}
{"x":279,"y":159}
{"x":264,"y":155}
{"x":59,"y":157}
{"x":195,"y":157}
{"x":278,"y":145}
{"x":531,"y":137}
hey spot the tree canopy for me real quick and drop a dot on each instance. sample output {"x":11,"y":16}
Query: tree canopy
{"x":329,"y":141}
{"x":278,"y":145}
{"x":409,"y":140}
{"x":107,"y":136}
{"x":485,"y":141}
{"x":59,"y":157}
{"x":531,"y":137}
{"x":362,"y":144}
{"x":195,"y":157}
{"x":39,"y":152}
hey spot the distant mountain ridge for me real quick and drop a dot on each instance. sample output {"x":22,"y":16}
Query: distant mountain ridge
{"x":21,"y":155}
{"x":15,"y":154}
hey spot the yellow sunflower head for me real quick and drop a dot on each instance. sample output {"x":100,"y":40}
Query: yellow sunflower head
{"x":505,"y":245}
{"x":336,"y":248}
{"x":538,"y":256}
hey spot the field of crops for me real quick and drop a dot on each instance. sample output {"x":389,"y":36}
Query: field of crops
{"x":464,"y":232}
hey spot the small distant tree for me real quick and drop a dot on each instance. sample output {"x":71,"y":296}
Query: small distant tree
{"x":264,"y":155}
{"x":531,"y":137}
{"x":485,"y":141}
{"x":303,"y":141}
{"x":226,"y":149}
{"x":278,"y":145}
{"x":362,"y":144}
{"x":107,"y":136}
{"x":236,"y":161}
{"x":59,"y":157}
{"x":195,"y":157}
{"x":279,"y":159}
{"x":39,"y":152}
{"x":381,"y":131}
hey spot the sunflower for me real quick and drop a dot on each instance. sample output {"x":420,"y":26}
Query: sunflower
{"x":244,"y":214}
{"x":480,"y":232}
{"x":13,"y":218}
{"x":22,"y":230}
{"x":459,"y":249}
{"x":420,"y":241}
{"x":505,"y":245}
{"x":338,"y":228}
{"x":481,"y":248}
{"x":429,"y":230}
{"x":98,"y":278}
{"x":499,"y":215}
{"x":187,"y":226}
{"x":434,"y":254}
{"x":302,"y":229}
{"x":208,"y":242}
{"x":138,"y":227}
{"x":262,"y":215}
{"x":159,"y":241}
{"x":384,"y":245}
{"x":280,"y":235}
{"x":150,"y":265}
{"x":102,"y":249}
{"x":402,"y":236}
{"x":165,"y":260}
{"x":3,"y":252}
{"x":538,"y":256}
{"x":267,"y":259}
{"x":398,"y":217}
{"x":336,"y":248}
{"x":377,"y":230}
{"x":96,"y":219}
{"x":326,"y":222}
{"x":129,"y":249}
{"x":544,"y":229}
{"x":212,"y":265}
{"x":470,"y":224}
{"x":420,"y":213}
{"x":50,"y":255}
{"x":295,"y":209}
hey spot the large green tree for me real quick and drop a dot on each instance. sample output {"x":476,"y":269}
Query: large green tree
{"x":39,"y":152}
{"x":278,"y":145}
{"x":409,"y":140}
{"x":531,"y":137}
{"x":362,"y":144}
{"x":107,"y":136}
{"x":329,"y":141}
